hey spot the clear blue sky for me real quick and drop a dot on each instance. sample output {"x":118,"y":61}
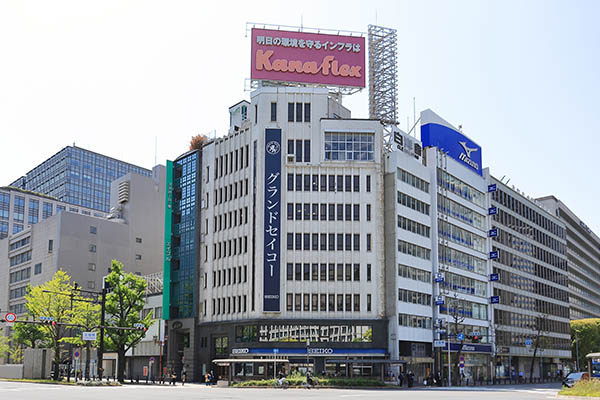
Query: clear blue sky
{"x":522,"y":78}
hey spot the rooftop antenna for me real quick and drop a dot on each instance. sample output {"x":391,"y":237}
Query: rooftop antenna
{"x":301,"y":22}
{"x":155,"y":148}
{"x":504,"y":176}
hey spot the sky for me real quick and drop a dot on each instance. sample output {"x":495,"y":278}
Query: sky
{"x":119,"y":77}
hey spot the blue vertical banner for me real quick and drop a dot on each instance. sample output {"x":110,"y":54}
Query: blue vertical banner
{"x":272,"y":221}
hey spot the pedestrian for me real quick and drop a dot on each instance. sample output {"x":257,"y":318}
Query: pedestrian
{"x":309,"y":381}
{"x":207,"y":379}
{"x":173,"y":377}
{"x":401,"y":378}
{"x":212,"y":378}
{"x":183,"y":376}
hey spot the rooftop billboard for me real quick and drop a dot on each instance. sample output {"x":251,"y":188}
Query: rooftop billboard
{"x":304,"y":57}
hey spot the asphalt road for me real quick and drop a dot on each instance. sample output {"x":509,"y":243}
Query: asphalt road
{"x":30,"y":391}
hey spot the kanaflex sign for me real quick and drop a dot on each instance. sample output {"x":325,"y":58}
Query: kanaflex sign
{"x":438,"y":133}
{"x":308,"y":58}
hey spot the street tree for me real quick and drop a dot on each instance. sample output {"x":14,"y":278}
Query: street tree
{"x":539,"y":340}
{"x":4,"y":345}
{"x":29,"y":335}
{"x":457,"y":317}
{"x":585,"y":339}
{"x":86,"y":314}
{"x":53,"y":299}
{"x":124,"y":305}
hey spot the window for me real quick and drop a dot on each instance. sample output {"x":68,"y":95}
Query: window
{"x":306,"y":112}
{"x":138,"y":257}
{"x":368,"y":302}
{"x":356,"y":183}
{"x":92,"y":248}
{"x":290,"y":112}
{"x":298,"y":112}
{"x":93,"y":230}
{"x":273,"y":112}
{"x":51,"y":246}
{"x":368,"y":212}
{"x":356,"y":272}
{"x":307,"y":151}
{"x":342,"y":146}
{"x":91,"y":285}
{"x":290,"y":146}
{"x":289,"y":302}
{"x":368,"y":272}
{"x":298,"y":150}
{"x":356,"y":212}
{"x":357,"y":302}
{"x":368,"y":183}
{"x":138,"y":240}
{"x":256,"y":113}
{"x":356,"y":242}
{"x":91,"y":267}
{"x":37,"y":269}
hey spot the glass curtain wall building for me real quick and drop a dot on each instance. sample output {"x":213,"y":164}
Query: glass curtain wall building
{"x":78,"y":176}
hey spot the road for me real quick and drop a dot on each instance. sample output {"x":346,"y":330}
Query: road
{"x":28,"y":391}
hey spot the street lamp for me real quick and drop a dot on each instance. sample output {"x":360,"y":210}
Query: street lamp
{"x":307,"y":347}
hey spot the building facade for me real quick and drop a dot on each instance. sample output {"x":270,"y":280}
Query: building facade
{"x":21,"y":208}
{"x":78,"y":176}
{"x":276,"y":243}
{"x":531,"y":285}
{"x":583,"y":260}
{"x":84,"y":245}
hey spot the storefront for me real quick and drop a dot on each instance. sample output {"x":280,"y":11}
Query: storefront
{"x":474,"y":361}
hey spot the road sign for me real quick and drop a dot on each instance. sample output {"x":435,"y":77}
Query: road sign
{"x":10,"y":318}
{"x":76,"y":355}
{"x":528,"y":342}
{"x":461,"y":337}
{"x":439,"y":300}
{"x":151,"y":359}
{"x":91,"y":336}
{"x":439,"y":343}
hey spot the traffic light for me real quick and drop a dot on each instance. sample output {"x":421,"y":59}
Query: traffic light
{"x":47,"y":321}
{"x":140,"y":327}
{"x":476,"y":338}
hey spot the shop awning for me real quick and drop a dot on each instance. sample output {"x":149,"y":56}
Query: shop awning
{"x":229,"y":361}
{"x":364,"y":361}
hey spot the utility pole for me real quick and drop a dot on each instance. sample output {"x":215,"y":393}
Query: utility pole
{"x":577,"y":350}
{"x":102,"y":322}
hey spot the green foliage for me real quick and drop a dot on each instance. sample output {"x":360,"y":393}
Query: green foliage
{"x":299,"y":381}
{"x":16,"y":355}
{"x":30,"y":335}
{"x":124,"y":305}
{"x":4,"y":345}
{"x":584,"y":388}
{"x":588,"y":334}
{"x":87,"y":315}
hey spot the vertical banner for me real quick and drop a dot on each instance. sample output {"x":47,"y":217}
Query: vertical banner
{"x":272,"y":220}
{"x":166,"y":310}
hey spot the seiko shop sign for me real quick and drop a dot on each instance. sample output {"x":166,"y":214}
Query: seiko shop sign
{"x":471,"y":348}
{"x":316,"y":351}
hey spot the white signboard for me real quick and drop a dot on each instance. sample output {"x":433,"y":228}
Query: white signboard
{"x":439,"y":343}
{"x":91,"y":336}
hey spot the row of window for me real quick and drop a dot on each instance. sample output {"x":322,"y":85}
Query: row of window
{"x":300,"y":149}
{"x":20,"y":258}
{"x":4,"y":205}
{"x":19,"y":243}
{"x":231,"y":162}
{"x":464,"y":284}
{"x":408,"y":296}
{"x":230,"y":247}
{"x":17,"y":308}
{"x":331,"y":212}
{"x":518,"y":262}
{"x":326,"y":302}
{"x":300,"y":333}
{"x":21,"y":275}
{"x":464,"y":308}
{"x":229,"y":305}
{"x":413,"y":226}
{"x":458,"y":259}
{"x":414,"y":321}
{"x":413,"y":203}
{"x":415,"y":274}
{"x":230,"y":219}
{"x":520,"y":320}
{"x":326,"y":183}
{"x":18,"y":292}
{"x":460,"y":212}
{"x":460,"y":188}
{"x":229,"y":276}
{"x":530,"y":214}
{"x":461,"y":236}
{"x":3,"y":229}
{"x":531,"y":304}
{"x":414,"y":250}
{"x":532,"y":286}
{"x":504,"y":338}
{"x":327,"y":242}
{"x":342,"y":146}
{"x":231,"y":192}
{"x":523,"y":246}
{"x":412,"y":180}
{"x":325,"y":272}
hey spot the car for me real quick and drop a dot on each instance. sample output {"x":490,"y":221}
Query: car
{"x":575,"y":377}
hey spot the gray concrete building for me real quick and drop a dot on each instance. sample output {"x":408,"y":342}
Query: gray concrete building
{"x":84,"y":245}
{"x":583,"y":258}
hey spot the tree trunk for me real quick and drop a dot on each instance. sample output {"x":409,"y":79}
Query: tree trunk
{"x":87,"y":361}
{"x":533,"y":362}
{"x":121,"y":364}
{"x":57,"y":361}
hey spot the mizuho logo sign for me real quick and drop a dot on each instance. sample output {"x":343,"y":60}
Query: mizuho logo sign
{"x":466,"y":156}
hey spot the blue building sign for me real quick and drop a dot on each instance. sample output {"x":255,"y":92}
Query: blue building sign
{"x":493,"y":277}
{"x":493,"y":232}
{"x":470,"y":348}
{"x":495,"y":300}
{"x":272,"y":221}
{"x":492,"y":188}
{"x":493,"y":255}
{"x":492,"y":211}
{"x":454,"y":143}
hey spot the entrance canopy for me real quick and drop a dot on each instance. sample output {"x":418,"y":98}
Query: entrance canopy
{"x":365,"y":361}
{"x":229,"y":361}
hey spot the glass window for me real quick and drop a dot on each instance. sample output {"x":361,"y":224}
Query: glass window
{"x":273,"y":111}
{"x":349,"y":146}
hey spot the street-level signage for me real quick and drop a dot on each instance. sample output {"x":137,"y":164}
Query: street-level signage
{"x":151,"y":359}
{"x":76,"y":355}
{"x":460,"y":336}
{"x":494,"y":277}
{"x":325,"y":351}
{"x":240,"y":351}
{"x":528,"y":342}
{"x":305,"y":57}
{"x":470,"y":348}
{"x":439,"y":343}
{"x":91,"y":336}
{"x":10,"y":318}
